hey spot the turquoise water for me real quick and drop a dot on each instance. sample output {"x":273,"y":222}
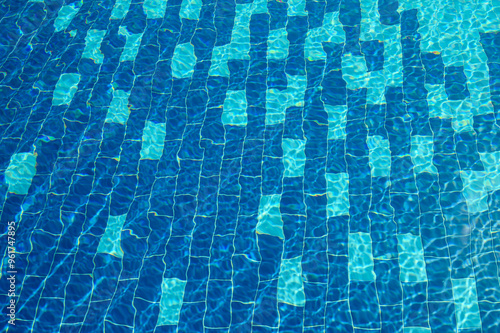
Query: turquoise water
{"x":239,"y":166}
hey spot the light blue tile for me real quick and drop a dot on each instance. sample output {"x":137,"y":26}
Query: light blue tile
{"x":172,"y":295}
{"x":269,"y":219}
{"x":65,"y":15}
{"x":337,"y":195}
{"x":354,"y":71}
{"x":183,"y":61}
{"x":219,"y":66}
{"x":277,"y":44}
{"x":259,"y":7}
{"x":296,"y":8}
{"x":475,"y":190}
{"x":20,"y":172}
{"x":422,"y":153}
{"x":411,"y":259}
{"x":491,"y":162}
{"x":294,"y":157}
{"x":296,"y":88}
{"x":155,"y":9}
{"x":131,"y":46}
{"x":417,"y":330}
{"x":337,"y":120}
{"x":360,"y":257}
{"x":380,"y":156}
{"x":153,"y":138}
{"x":120,"y":9}
{"x":66,"y":87}
{"x":110,"y":242}
{"x":477,"y":184}
{"x":466,"y":304}
{"x":375,"y":84}
{"x":276,"y":104}
{"x":235,"y":108}
{"x":93,"y":46}
{"x":290,"y":282}
{"x":393,"y":55}
{"x":239,"y":47}
{"x":371,"y":28}
{"x":278,"y":101}
{"x":118,"y":111}
{"x":190,"y":9}
{"x":437,"y":98}
{"x":330,"y":31}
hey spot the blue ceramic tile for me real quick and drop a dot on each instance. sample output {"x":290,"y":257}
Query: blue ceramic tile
{"x":190,"y":197}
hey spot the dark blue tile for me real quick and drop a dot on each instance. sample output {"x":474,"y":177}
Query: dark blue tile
{"x":352,"y":33}
{"x":391,"y":319}
{"x":455,"y":83}
{"x":434,"y":68}
{"x":415,"y":310}
{"x":488,"y":134}
{"x":184,"y":212}
{"x":270,"y":248}
{"x":334,"y":88}
{"x":363,"y":298}
{"x":316,"y":215}
{"x":177,"y":257}
{"x":338,"y":317}
{"x":338,"y":283}
{"x":245,"y":278}
{"x":388,"y":11}
{"x":121,"y":310}
{"x":266,"y":304}
{"x":314,"y":260}
{"x":218,"y":305}
{"x":278,"y":15}
{"x":292,"y":198}
{"x":249,"y":197}
{"x":49,"y":311}
{"x":489,"y":317}
{"x":246,"y":243}
{"x":272,"y":175}
{"x":383,"y":233}
{"x":149,"y":286}
{"x":491,"y":44}
{"x":314,"y":310}
{"x":197,"y":280}
{"x":202,"y":235}
{"x":359,"y":206}
{"x":220,"y":257}
{"x":106,"y":272}
{"x":79,"y":287}
{"x":225,"y":11}
{"x":389,"y":287}
{"x":293,"y":230}
{"x":406,"y":212}
{"x":241,"y":317}
{"x":291,"y":317}
{"x":338,"y":229}
{"x":373,"y":50}
{"x":188,"y":177}
{"x":191,"y":317}
{"x":402,"y":176}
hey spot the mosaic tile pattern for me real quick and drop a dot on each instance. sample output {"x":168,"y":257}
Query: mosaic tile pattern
{"x":251,"y":166}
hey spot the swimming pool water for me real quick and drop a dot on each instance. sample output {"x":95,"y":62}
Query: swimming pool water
{"x":250,"y":166}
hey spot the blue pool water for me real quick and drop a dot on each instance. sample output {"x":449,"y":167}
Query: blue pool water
{"x":250,"y":166}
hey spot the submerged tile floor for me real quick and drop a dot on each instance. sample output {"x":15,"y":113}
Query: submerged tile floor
{"x":265,"y":166}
